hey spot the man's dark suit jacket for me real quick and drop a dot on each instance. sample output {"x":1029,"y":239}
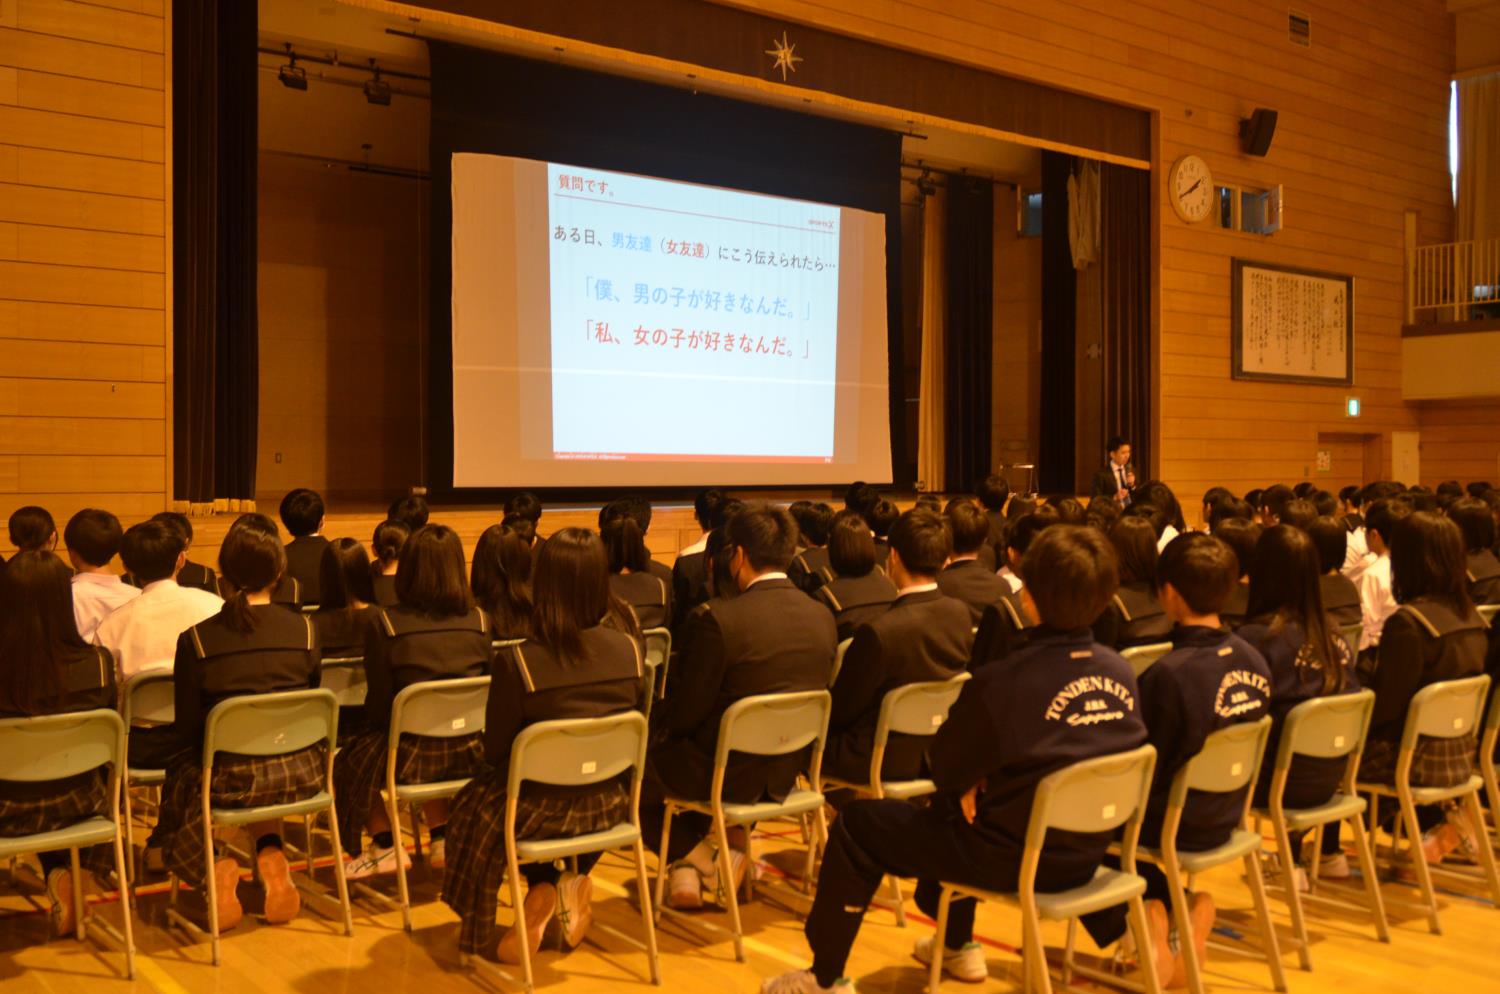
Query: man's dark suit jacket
{"x":1105,"y":484}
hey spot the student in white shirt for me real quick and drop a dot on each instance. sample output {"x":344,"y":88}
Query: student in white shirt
{"x":143,"y":632}
{"x":93,"y":538}
{"x":1375,"y":595}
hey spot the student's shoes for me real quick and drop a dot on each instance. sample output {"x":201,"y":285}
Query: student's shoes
{"x":282,"y":900}
{"x":1335,"y":867}
{"x":437,"y":854}
{"x":60,"y":893}
{"x":1454,"y":837}
{"x":540,"y":906}
{"x":226,"y":883}
{"x":1275,"y":875}
{"x":803,"y":982}
{"x":1201,"y":916}
{"x":575,"y":907}
{"x":376,"y":860}
{"x":684,"y":887}
{"x":1164,"y":947}
{"x":966,"y":964}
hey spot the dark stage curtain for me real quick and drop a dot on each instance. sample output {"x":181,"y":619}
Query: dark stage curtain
{"x":1125,"y":271}
{"x":1055,"y":458}
{"x":214,"y":333}
{"x":967,"y":374}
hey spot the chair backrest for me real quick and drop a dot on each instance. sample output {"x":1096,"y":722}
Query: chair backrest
{"x":1353,"y":633}
{"x":1229,"y":760}
{"x":271,"y":724}
{"x":1142,"y":657}
{"x":345,"y":676}
{"x":658,"y":644}
{"x":1445,"y":710}
{"x":149,"y":697}
{"x":918,"y":708}
{"x":578,"y":751}
{"x":54,"y":746}
{"x":1487,"y":612}
{"x":774,"y":724}
{"x":838,"y":661}
{"x":1491,"y":731}
{"x":1093,"y":795}
{"x":1325,"y":727}
{"x":440,"y":709}
{"x":505,"y":643}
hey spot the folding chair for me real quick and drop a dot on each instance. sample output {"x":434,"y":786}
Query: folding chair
{"x":576,"y":753}
{"x":53,"y":747}
{"x":267,"y":725}
{"x":1445,"y":710}
{"x":1324,"y":728}
{"x":657,"y":644}
{"x":147,"y":697}
{"x":505,"y":643}
{"x":917,"y":709}
{"x":1488,"y":612}
{"x":1096,"y":795}
{"x":1229,"y":761}
{"x":1487,"y":744}
{"x":345,"y":676}
{"x":438,"y":709}
{"x":763,"y":725}
{"x":838,"y":661}
{"x":1142,"y":657}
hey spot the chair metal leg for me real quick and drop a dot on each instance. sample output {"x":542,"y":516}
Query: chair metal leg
{"x":1486,"y":851}
{"x":647,"y":918}
{"x":1364,"y":847}
{"x":393,"y":812}
{"x":1293,"y":897}
{"x":211,"y":888}
{"x":1067,"y":959}
{"x":1272,"y":949}
{"x":1183,"y":920}
{"x":661,"y":860}
{"x":128,"y":881}
{"x":1032,"y":948}
{"x":898,"y":901}
{"x":1419,"y":864}
{"x":79,"y":908}
{"x":809,"y":867}
{"x":518,"y":899}
{"x":726,"y":875}
{"x":935,"y":968}
{"x":125,"y":908}
{"x":1142,"y":930}
{"x":338,"y":867}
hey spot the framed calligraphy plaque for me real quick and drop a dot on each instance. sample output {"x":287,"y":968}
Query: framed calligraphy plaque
{"x":1291,"y":325}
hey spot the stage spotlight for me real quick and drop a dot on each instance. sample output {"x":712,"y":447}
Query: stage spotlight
{"x":292,"y":75}
{"x":377,"y":90}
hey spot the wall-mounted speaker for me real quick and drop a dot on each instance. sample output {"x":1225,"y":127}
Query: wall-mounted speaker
{"x":1256,"y":131}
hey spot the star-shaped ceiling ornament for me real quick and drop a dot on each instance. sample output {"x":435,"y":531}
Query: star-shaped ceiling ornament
{"x":784,"y":53}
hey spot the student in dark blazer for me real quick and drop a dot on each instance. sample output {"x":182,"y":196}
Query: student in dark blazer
{"x":992,"y":494}
{"x":1116,"y":480}
{"x":1477,"y":524}
{"x":435,"y":633}
{"x":500,"y":576}
{"x":348,"y":599}
{"x":1240,"y":536}
{"x":965,"y":577}
{"x":810,"y":568}
{"x":690,"y":570}
{"x":571,"y":667}
{"x":1135,"y":615}
{"x":389,"y":539}
{"x":1338,"y":593}
{"x":859,"y":590}
{"x":769,"y":639}
{"x":50,"y":669}
{"x":1006,"y":624}
{"x":925,"y":635}
{"x":250,"y":647}
{"x":302,"y":514}
{"x":630,"y":576}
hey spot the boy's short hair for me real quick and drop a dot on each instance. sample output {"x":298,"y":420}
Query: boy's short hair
{"x":1071,"y":573}
{"x":150,"y":550}
{"x":1276,"y":498}
{"x":1326,"y":503}
{"x":993,"y":492}
{"x":882,"y":516}
{"x":1024,"y":530}
{"x":851,"y":547}
{"x":1229,"y":507}
{"x":1298,"y":513}
{"x":1450,"y":488}
{"x":1383,"y":513}
{"x":859,"y":495}
{"x":1070,"y":510}
{"x":410,"y":511}
{"x":1241,"y":536}
{"x":1351,"y":495}
{"x":921,"y":538}
{"x":1114,"y":443}
{"x":813,"y":521}
{"x":967,"y":524}
{"x":1478,"y":488}
{"x":302,"y":511}
{"x":1474,"y":520}
{"x":704,"y":505}
{"x":1331,"y":539}
{"x":1202,"y":569}
{"x":31,"y":528}
{"x":766,"y":535}
{"x":524,"y":505}
{"x":176,"y":520}
{"x":94,"y":536}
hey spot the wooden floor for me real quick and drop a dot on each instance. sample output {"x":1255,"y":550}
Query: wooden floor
{"x":311,"y":956}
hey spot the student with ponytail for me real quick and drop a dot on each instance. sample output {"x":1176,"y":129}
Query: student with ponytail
{"x":347,"y":584}
{"x":390,"y":538}
{"x":631,"y":578}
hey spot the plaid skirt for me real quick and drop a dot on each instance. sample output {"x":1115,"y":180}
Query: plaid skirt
{"x":88,"y":798}
{"x":239,"y":782}
{"x":476,"y":843}
{"x":1435,"y":763}
{"x":359,"y":773}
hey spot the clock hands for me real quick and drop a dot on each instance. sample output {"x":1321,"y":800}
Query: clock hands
{"x":1193,"y":187}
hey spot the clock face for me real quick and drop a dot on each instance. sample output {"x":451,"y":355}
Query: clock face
{"x":1191,"y":189}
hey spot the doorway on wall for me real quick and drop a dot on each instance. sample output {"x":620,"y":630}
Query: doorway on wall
{"x":1352,"y":458}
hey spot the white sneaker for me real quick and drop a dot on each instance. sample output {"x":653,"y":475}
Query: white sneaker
{"x":966,"y":964}
{"x":803,"y":982}
{"x":575,"y":911}
{"x":376,"y":861}
{"x":1334,"y":868}
{"x":684,"y":887}
{"x":437,"y":854}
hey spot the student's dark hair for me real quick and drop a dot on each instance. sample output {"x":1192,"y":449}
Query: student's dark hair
{"x":181,"y":522}
{"x":767,"y":536}
{"x":94,"y":536}
{"x":813,"y":521}
{"x":1284,"y":589}
{"x":431,"y":575}
{"x":704,"y":506}
{"x":968,"y":525}
{"x":993,"y":491}
{"x":1114,"y":443}
{"x":38,"y":631}
{"x":1212,"y":496}
{"x":252,"y":559}
{"x":1071,"y":573}
{"x":1423,"y":499}
{"x":921,"y":538}
{"x":1252,"y":497}
{"x":150,"y":550}
{"x":1134,"y":542}
{"x":881,"y":516}
{"x":1379,"y":490}
{"x":1240,"y":535}
{"x":1304,"y":490}
{"x":1331,"y":538}
{"x":302,"y":511}
{"x":1229,"y":507}
{"x":1471,"y":515}
{"x":1478,"y":488}
{"x":1275,"y":498}
{"x":931,"y":502}
{"x":410,"y":511}
{"x":1019,"y":507}
{"x":31,"y":528}
{"x":570,"y":588}
{"x":1070,"y":510}
{"x":625,"y":545}
{"x":859,"y":496}
{"x":1383,"y":513}
{"x":390,"y":536}
{"x":1351,"y":495}
{"x":524,"y":505}
{"x":1450,"y":488}
{"x":500,"y":575}
{"x":718,"y":552}
{"x":523,"y":527}
{"x":1202,"y":568}
{"x":344,"y":576}
{"x":851,"y":547}
{"x":1324,"y":503}
{"x":1102,"y":514}
{"x":1427,"y":560}
{"x":1298,"y":513}
{"x":1150,"y":512}
{"x":728,"y":508}
{"x":1023,"y":531}
{"x":1158,"y":493}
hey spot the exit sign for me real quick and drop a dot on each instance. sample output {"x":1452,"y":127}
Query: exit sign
{"x":1351,"y":407}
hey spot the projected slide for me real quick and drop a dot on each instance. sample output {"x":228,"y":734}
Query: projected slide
{"x":671,"y":297}
{"x":619,"y":330}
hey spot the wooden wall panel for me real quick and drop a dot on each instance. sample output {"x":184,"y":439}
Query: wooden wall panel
{"x":84,"y":217}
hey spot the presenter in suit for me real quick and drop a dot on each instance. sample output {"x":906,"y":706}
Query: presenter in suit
{"x":1117,"y":478}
